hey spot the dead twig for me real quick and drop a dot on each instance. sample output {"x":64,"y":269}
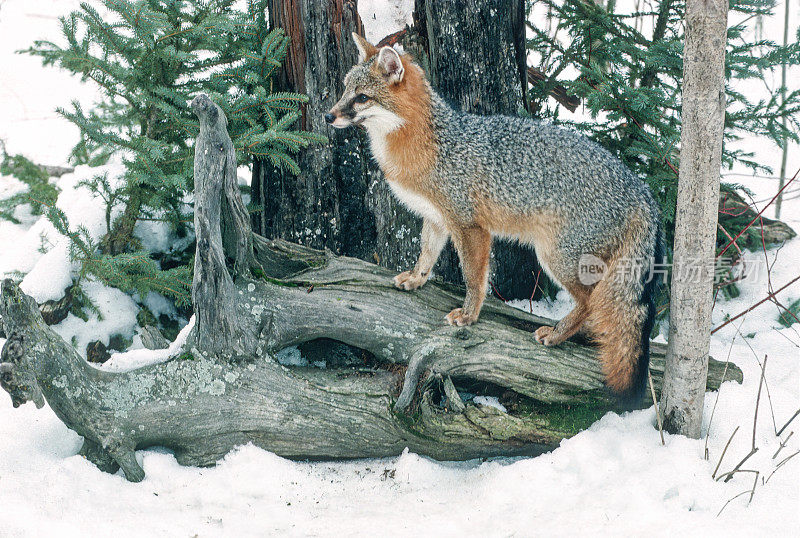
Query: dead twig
{"x":535,"y":285}
{"x":789,"y":422}
{"x":732,"y":241}
{"x":745,"y":492}
{"x":724,"y":450}
{"x":753,"y":448}
{"x":727,"y":476}
{"x":716,"y":400}
{"x":655,"y":403}
{"x":783,"y":444}
{"x":766,"y":384}
{"x":759,"y":303}
{"x":758,"y":399}
{"x":753,"y":491}
{"x":781,"y":465}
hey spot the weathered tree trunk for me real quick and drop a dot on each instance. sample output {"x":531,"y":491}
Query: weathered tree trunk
{"x":475,"y":57}
{"x":206,"y":400}
{"x":703,"y":116}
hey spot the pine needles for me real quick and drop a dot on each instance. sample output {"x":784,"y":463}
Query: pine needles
{"x":149,"y":58}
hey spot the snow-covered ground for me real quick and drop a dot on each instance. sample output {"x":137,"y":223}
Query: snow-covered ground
{"x":615,"y":478}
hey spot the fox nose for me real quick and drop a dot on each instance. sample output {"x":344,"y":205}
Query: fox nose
{"x":330,"y":118}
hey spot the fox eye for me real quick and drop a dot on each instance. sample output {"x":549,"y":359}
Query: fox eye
{"x":362,"y":98}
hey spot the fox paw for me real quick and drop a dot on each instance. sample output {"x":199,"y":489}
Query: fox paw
{"x":407,"y":280}
{"x":544,"y":335}
{"x":460,"y":318}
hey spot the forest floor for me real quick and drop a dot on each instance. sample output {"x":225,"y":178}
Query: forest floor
{"x":615,"y":477}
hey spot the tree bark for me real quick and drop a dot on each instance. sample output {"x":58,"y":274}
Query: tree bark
{"x":225,"y":388}
{"x":474,"y":55}
{"x":703,"y":114}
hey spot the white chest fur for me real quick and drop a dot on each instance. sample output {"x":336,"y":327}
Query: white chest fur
{"x":416,"y":203}
{"x":379,"y":123}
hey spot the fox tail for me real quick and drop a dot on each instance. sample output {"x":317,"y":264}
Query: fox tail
{"x":623,"y":313}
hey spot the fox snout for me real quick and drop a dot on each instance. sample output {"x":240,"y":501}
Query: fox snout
{"x":339,"y":118}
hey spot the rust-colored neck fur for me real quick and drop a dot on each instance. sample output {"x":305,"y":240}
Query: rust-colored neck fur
{"x":411,"y":149}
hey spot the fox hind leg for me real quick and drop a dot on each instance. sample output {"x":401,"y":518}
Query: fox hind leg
{"x":571,"y":323}
{"x":568,"y":326}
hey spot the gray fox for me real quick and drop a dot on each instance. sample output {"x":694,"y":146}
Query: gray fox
{"x":473,"y":177}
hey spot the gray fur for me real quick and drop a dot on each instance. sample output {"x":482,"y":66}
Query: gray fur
{"x":532,"y":166}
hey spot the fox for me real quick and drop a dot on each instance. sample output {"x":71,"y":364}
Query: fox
{"x":474,"y":178}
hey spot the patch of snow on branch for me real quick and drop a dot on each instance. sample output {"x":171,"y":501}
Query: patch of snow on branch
{"x":138,"y":358}
{"x":117,"y":316}
{"x":42,"y":252}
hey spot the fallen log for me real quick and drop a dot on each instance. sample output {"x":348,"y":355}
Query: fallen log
{"x":224,"y":387}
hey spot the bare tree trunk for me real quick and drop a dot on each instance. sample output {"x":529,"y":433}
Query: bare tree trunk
{"x":703,"y":115}
{"x":785,"y":149}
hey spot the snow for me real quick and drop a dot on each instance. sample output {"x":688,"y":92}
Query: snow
{"x":29,"y":93}
{"x":291,"y":356}
{"x":614,"y":478}
{"x":555,"y":309}
{"x":490,"y":401}
{"x":159,"y":305}
{"x":384,"y":17}
{"x":51,"y":275}
{"x":51,"y":272}
{"x":137,"y":358}
{"x":117,"y":316}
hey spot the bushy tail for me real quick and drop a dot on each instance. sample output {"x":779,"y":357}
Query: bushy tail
{"x":623,"y":312}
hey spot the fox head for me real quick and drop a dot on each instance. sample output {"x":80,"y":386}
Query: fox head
{"x":378,"y":90}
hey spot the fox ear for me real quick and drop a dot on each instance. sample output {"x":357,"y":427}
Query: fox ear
{"x":366,"y":49}
{"x":391,"y":65}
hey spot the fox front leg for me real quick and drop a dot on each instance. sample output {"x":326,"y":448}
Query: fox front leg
{"x":434,"y":237}
{"x":474,"y":246}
